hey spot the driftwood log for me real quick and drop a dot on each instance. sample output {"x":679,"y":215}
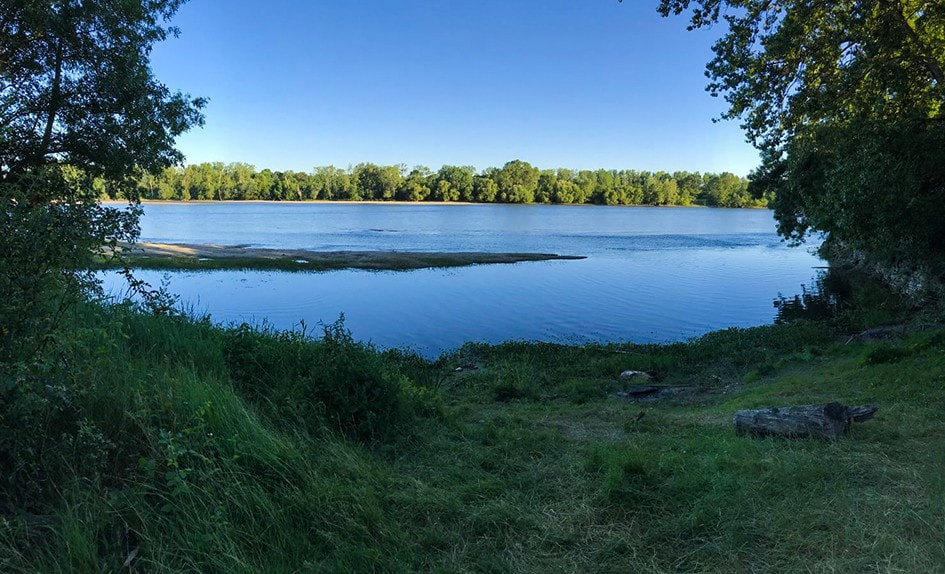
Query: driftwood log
{"x":827,"y":421}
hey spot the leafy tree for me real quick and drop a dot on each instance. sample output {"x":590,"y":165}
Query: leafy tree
{"x":241,"y":178}
{"x":444,"y":191}
{"x":605,"y":186}
{"x":459,"y":183}
{"x":376,"y":182}
{"x":846,"y":102}
{"x":586,"y":181}
{"x":726,"y":190}
{"x":485,"y":188}
{"x":546,"y":186}
{"x":211,"y":180}
{"x":77,"y":101}
{"x":690,"y":186}
{"x":262,"y":184}
{"x":517,"y":182}
{"x":332,"y":183}
{"x":667,"y":191}
{"x":651,"y":189}
{"x":632,"y":187}
{"x":190,"y":183}
{"x":449,"y":183}
{"x":169,"y":186}
{"x":565,"y":191}
{"x":416,"y":186}
{"x":290,"y":188}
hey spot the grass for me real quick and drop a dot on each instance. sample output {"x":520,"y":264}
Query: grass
{"x":170,"y":445}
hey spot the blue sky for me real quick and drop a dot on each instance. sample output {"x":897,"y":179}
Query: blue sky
{"x":582,"y":84}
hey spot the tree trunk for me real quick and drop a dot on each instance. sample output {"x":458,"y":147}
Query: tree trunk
{"x":54,"y":103}
{"x":827,"y":421}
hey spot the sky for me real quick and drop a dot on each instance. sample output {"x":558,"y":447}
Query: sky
{"x":581,"y":84}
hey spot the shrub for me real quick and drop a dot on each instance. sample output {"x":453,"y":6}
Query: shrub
{"x":884,"y":354}
{"x":333,"y":382}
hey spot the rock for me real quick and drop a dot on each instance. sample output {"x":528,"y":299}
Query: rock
{"x":644,"y":393}
{"x":828,"y":421}
{"x":630,"y":374}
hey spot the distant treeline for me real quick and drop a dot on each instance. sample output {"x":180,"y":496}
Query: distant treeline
{"x":515,"y":182}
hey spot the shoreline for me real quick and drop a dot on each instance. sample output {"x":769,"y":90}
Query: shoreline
{"x":399,"y":202}
{"x":198,"y":256}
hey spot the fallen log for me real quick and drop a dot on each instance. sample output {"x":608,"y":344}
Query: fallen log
{"x":827,"y":421}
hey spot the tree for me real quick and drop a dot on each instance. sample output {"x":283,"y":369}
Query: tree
{"x":77,"y":101}
{"x":416,"y":186}
{"x":77,"y":88}
{"x":331,"y":182}
{"x":376,"y":182}
{"x":605,"y":187}
{"x":517,"y":182}
{"x":459,"y":183}
{"x":690,"y":186}
{"x":586,"y":181}
{"x":262,"y":185}
{"x":846,"y":102}
{"x":546,"y":186}
{"x":726,"y":190}
{"x":485,"y":188}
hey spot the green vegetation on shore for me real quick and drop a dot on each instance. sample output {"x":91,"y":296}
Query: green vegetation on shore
{"x":515,"y":182}
{"x":846,"y":104}
{"x":164,"y":443}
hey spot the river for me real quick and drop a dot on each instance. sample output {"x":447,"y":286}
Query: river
{"x":651,"y":274}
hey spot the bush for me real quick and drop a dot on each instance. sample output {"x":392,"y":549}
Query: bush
{"x":334,"y":382}
{"x":45,"y":437}
{"x":885,"y":354}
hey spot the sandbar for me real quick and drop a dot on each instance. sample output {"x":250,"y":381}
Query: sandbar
{"x":208,"y":256}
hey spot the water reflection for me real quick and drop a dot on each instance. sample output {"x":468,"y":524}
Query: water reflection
{"x":820,"y":301}
{"x":834,"y":290}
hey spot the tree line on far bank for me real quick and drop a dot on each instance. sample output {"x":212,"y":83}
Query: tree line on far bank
{"x":516,"y":182}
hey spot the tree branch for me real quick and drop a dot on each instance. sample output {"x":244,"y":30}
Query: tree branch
{"x":930,"y":61}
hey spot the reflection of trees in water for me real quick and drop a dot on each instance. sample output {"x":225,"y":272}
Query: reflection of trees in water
{"x":831,"y":291}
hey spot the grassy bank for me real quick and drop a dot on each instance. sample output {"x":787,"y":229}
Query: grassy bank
{"x":207,"y":257}
{"x":165,"y":444}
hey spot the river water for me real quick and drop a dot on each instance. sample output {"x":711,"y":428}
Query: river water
{"x":651,"y":274}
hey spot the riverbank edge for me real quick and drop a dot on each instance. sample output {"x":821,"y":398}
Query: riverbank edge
{"x":409,"y":203}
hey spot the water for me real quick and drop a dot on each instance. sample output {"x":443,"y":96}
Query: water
{"x":651,"y":275}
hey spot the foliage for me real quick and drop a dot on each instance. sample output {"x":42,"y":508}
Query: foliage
{"x":77,"y":102}
{"x":515,"y":182}
{"x":846,"y":101}
{"x":134,"y":449}
{"x":335,"y":382}
{"x":77,"y":88}
{"x":878,"y":186}
{"x":140,"y":443}
{"x":51,"y":227}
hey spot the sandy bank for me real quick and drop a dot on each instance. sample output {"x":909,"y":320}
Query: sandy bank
{"x":207,"y":256}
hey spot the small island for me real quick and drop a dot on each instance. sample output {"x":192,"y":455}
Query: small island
{"x":206,"y":256}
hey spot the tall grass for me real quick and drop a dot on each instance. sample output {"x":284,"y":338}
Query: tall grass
{"x":165,"y":444}
{"x":150,"y":452}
